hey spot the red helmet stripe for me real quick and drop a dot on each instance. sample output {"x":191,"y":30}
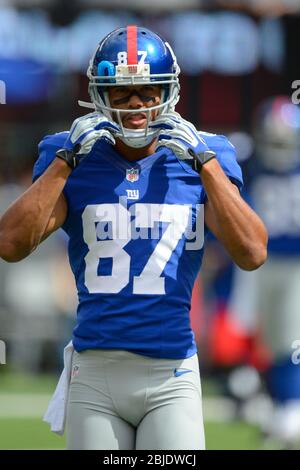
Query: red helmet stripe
{"x":132,"y":56}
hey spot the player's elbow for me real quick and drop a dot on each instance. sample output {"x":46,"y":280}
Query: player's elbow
{"x":253,"y":258}
{"x":10,"y":252}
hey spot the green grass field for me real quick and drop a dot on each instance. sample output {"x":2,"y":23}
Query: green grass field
{"x":32,"y":433}
{"x":23,"y":399}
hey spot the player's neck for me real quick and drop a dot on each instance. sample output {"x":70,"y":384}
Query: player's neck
{"x":133,"y":154}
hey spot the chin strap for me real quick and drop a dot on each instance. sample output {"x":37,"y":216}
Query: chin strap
{"x":135,"y":142}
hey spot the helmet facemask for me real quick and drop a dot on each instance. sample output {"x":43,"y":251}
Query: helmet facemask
{"x":110,"y":70}
{"x":98,"y":90}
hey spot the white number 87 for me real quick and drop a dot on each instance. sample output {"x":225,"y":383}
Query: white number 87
{"x":150,"y":280}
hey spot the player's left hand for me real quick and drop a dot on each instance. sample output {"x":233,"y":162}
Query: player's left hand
{"x":183,"y":138}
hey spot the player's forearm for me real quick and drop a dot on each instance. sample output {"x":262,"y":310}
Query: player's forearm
{"x":238,"y":227}
{"x":23,"y":224}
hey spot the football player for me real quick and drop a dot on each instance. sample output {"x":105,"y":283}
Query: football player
{"x":275,"y":195}
{"x":135,"y":186}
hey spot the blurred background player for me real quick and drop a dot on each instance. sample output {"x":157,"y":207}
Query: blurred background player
{"x":255,"y":319}
{"x":275,"y":195}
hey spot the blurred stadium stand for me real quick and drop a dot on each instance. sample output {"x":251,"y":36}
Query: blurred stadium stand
{"x":255,"y":6}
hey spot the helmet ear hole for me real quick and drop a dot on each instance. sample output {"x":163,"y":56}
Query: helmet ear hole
{"x":106,"y":68}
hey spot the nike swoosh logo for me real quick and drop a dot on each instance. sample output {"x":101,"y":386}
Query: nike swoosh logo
{"x":179,"y":372}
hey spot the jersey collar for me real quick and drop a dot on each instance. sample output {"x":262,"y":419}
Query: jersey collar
{"x":110,"y":154}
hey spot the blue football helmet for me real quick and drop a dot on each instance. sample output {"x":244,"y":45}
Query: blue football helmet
{"x":277,"y":134}
{"x":133,"y":56}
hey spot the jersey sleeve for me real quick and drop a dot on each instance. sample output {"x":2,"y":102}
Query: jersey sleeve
{"x":48,"y":147}
{"x":226,"y":156}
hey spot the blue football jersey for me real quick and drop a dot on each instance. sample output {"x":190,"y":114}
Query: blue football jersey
{"x":136,"y":234}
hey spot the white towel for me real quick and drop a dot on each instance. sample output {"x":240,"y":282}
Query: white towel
{"x":55,"y":415}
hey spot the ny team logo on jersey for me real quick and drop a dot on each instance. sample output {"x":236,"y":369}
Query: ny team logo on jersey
{"x":133,"y":193}
{"x":132,"y":175}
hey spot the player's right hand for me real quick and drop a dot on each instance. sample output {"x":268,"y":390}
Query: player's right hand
{"x":84,"y":132}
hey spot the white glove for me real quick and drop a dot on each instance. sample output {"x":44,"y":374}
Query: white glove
{"x":182,"y":137}
{"x":84,"y":132}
